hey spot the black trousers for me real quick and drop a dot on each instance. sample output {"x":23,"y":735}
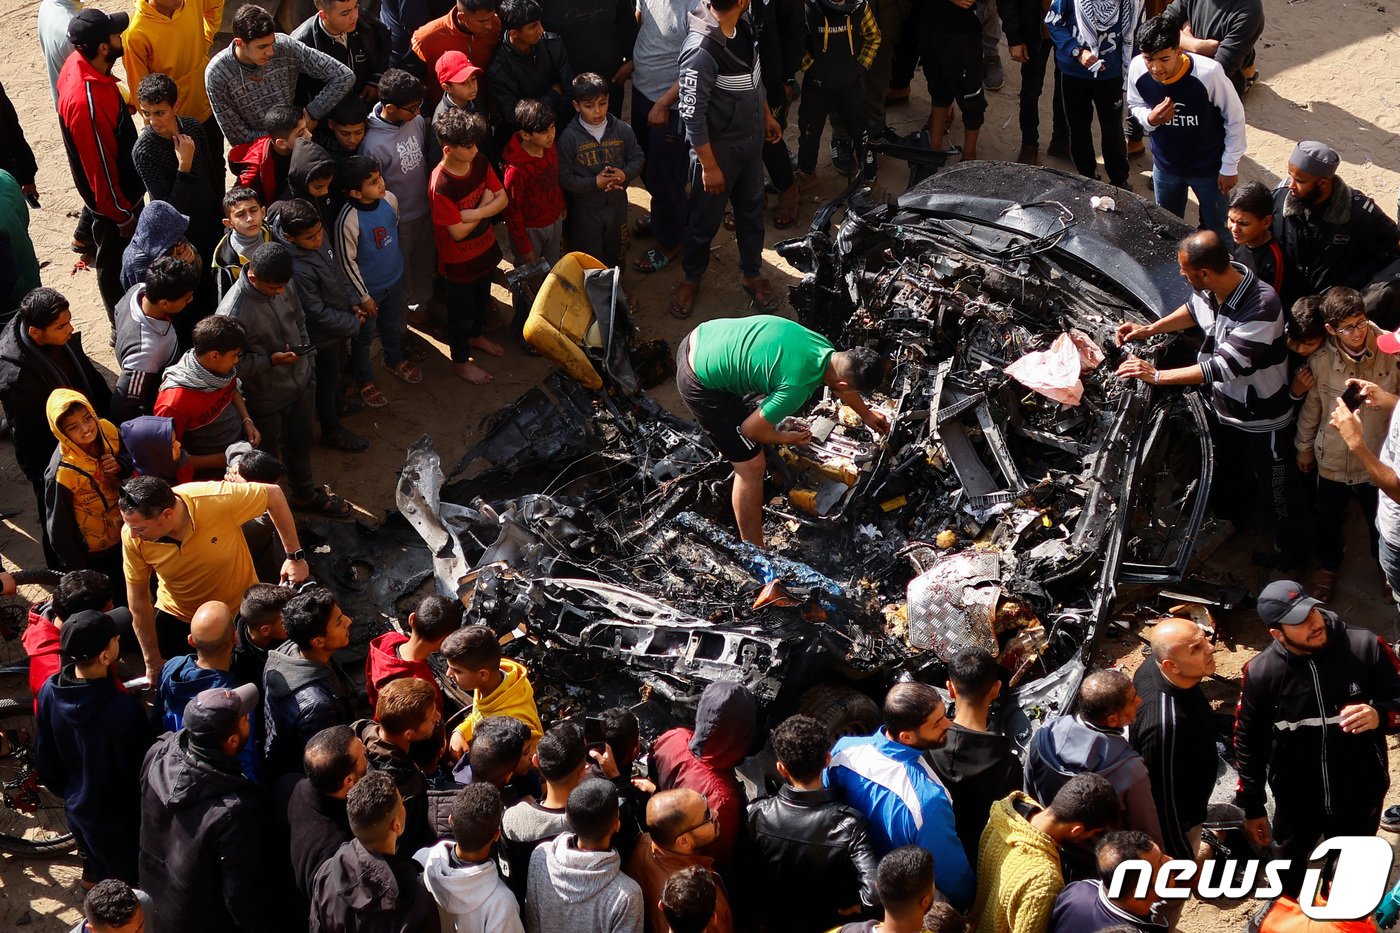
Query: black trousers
{"x":1247,"y":459}
{"x":1300,"y":826}
{"x":1330,"y":504}
{"x":110,"y":243}
{"x":331,"y":356}
{"x":742,"y":165}
{"x":1082,"y":98}
{"x":287,"y":433}
{"x":172,"y":635}
{"x":776,"y":158}
{"x":467,"y":304}
{"x":822,"y":99}
{"x":1032,"y":84}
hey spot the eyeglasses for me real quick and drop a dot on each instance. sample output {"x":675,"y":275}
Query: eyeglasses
{"x":709,"y":818}
{"x":1350,"y":328}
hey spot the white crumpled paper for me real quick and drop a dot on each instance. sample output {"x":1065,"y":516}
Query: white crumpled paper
{"x":1055,"y":372}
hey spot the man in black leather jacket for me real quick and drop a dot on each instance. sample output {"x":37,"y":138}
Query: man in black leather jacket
{"x":814,"y":854}
{"x":1315,"y":708}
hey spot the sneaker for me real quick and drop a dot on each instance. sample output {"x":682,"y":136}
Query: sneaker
{"x":841,"y":156}
{"x":1390,"y":819}
{"x":871,"y":166}
{"x":994,"y":76}
{"x":1058,"y":150}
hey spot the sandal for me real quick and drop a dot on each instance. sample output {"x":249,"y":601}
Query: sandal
{"x":325,"y":504}
{"x":761,"y":295}
{"x":413,"y":348}
{"x":683,"y":299}
{"x":729,"y":220}
{"x":346,"y":440}
{"x":653,"y":260}
{"x":1322,"y":583}
{"x":371,"y":396}
{"x":785,"y":215}
{"x":642,"y":225}
{"x":406,"y":371}
{"x":351,"y":403}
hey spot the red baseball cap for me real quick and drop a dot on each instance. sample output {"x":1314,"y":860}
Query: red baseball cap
{"x":454,"y":67}
{"x":1389,"y":341}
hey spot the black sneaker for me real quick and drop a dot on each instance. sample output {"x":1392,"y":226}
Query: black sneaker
{"x":841,"y":156}
{"x":871,"y":166}
{"x":1390,"y":819}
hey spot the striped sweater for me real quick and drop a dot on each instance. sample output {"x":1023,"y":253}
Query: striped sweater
{"x":1243,"y":358}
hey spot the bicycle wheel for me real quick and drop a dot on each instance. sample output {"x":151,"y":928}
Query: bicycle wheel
{"x":32,"y":824}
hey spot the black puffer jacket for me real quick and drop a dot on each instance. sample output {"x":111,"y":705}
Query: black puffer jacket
{"x":201,"y":839}
{"x":1345,"y":240}
{"x":815,"y":857}
{"x":1288,"y":724}
{"x":365,"y":52}
{"x":368,"y":893}
{"x":413,"y":786}
{"x":28,"y":373}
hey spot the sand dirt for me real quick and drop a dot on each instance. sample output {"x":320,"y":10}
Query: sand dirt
{"x":1328,"y":72}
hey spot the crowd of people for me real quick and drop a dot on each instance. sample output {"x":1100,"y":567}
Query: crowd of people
{"x":370,"y":153}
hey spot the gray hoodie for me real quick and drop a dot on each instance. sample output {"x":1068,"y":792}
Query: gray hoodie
{"x":722,"y":98}
{"x":580,"y":891}
{"x":273,"y":325}
{"x":471,"y":897}
{"x":1068,"y":746}
{"x":403,"y":152}
{"x":324,"y":290}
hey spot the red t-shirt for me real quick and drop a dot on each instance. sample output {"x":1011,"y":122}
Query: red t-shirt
{"x":476,"y":257}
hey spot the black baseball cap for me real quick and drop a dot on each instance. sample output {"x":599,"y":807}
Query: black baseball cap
{"x":90,"y":28}
{"x":213,"y":713}
{"x":1285,"y":602}
{"x":85,"y":635}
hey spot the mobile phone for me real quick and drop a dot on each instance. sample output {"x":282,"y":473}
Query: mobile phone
{"x":595,"y":732}
{"x":1352,"y":396}
{"x":303,"y":350}
{"x":33,"y":200}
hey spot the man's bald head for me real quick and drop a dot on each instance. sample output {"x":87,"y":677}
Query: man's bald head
{"x":671,"y":813}
{"x":1182,"y":651}
{"x":211,"y":629}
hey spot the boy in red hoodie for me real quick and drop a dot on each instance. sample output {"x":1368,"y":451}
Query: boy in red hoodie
{"x":263,"y":164}
{"x":535,"y":213}
{"x":394,"y":655}
{"x":77,"y":591}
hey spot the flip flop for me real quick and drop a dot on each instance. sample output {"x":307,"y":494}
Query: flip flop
{"x":326,"y":505}
{"x":653,"y":260}
{"x":761,"y":293}
{"x":683,"y":299}
{"x":371,"y":396}
{"x":785,"y":214}
{"x":406,"y":371}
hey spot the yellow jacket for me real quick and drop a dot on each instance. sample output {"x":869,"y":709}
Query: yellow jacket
{"x":514,"y":698}
{"x":80,"y":497}
{"x":1018,"y":872}
{"x":177,"y":46}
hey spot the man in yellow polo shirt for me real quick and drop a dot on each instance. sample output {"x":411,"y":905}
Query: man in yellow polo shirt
{"x":191,"y":538}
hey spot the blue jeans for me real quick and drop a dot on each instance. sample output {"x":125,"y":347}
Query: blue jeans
{"x":1389,"y":556}
{"x":1170,"y":192}
{"x":390,"y":324}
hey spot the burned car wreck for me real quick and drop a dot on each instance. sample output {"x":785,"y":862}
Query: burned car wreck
{"x":594,"y":526}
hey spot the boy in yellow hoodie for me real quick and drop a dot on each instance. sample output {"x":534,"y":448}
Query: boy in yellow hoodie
{"x":500,"y":686}
{"x":81,"y":486}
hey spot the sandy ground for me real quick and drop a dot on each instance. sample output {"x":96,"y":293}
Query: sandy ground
{"x":1328,"y":73}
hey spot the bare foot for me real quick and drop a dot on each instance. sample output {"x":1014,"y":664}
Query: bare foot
{"x":969,"y":154}
{"x":487,"y":345}
{"x":472,"y":373}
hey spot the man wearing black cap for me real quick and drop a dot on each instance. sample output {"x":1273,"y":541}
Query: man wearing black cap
{"x":1333,"y":235}
{"x":202,"y":857}
{"x":90,"y":738}
{"x":1315,"y":708}
{"x":99,"y":135}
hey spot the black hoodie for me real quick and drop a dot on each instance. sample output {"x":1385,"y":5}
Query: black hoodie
{"x":307,"y":156}
{"x":978,"y":769}
{"x":28,"y":373}
{"x":370,"y":893}
{"x":201,"y":839}
{"x":89,"y":742}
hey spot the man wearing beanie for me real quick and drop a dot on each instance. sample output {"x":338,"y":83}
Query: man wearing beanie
{"x":1315,"y":708}
{"x":202,"y":857}
{"x":1333,"y":235}
{"x":90,"y":737}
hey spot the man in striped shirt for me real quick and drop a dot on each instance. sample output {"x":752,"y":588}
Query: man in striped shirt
{"x":1243,"y":362}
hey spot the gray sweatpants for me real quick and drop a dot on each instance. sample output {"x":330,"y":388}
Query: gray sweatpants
{"x":597,"y":227}
{"x":547,"y":241}
{"x":419,"y":259}
{"x":742,"y":165}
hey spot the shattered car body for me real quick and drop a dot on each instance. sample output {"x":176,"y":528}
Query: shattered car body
{"x":990,"y":515}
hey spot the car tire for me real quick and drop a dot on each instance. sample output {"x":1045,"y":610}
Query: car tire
{"x":841,"y":708}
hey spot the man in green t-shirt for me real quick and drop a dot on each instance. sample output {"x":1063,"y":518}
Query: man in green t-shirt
{"x":722,"y":362}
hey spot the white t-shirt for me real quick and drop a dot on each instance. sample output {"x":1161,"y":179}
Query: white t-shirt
{"x":1388,"y":512}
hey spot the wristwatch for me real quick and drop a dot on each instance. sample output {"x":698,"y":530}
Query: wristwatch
{"x":298,"y":554}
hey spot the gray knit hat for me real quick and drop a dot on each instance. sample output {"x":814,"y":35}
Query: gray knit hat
{"x":1315,"y":158}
